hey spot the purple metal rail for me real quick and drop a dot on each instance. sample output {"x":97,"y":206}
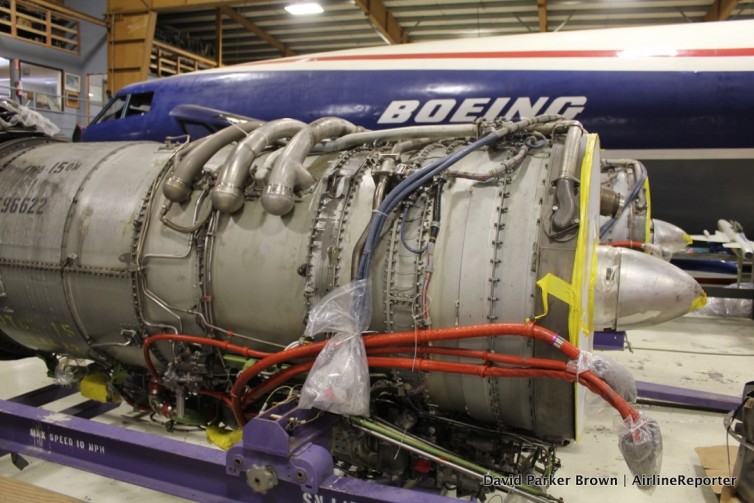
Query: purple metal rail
{"x":287,"y":465}
{"x":609,"y":341}
{"x":671,"y":395}
{"x":683,"y":396}
{"x":46,"y":394}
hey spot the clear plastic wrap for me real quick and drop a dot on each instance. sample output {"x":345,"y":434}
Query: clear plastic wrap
{"x":658,"y":251}
{"x":640,"y":442}
{"x":613,"y":373}
{"x":339,"y":380}
{"x":27,"y":117}
{"x":348,"y":308}
{"x":729,"y":308}
{"x":69,"y":371}
{"x":31,"y":118}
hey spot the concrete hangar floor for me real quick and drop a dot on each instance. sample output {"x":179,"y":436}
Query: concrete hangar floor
{"x":699,"y":353}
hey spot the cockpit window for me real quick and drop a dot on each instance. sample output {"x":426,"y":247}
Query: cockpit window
{"x":139,"y":103}
{"x":114,"y":109}
{"x":126,"y":106}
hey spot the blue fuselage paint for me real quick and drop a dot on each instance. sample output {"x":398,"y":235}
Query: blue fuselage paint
{"x":629,"y":109}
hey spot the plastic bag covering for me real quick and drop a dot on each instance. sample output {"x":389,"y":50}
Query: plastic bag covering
{"x":69,"y":371}
{"x":729,"y":308}
{"x":339,"y":380}
{"x":29,"y":118}
{"x":640,"y":442}
{"x":659,"y":251}
{"x":613,"y":373}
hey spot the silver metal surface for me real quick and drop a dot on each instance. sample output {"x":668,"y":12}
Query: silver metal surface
{"x":669,"y":236}
{"x":289,"y":173}
{"x":98,"y":260}
{"x":621,"y":176}
{"x":227,"y":196}
{"x":634,"y":289}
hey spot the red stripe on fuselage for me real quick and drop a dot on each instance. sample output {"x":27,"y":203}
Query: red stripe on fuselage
{"x":624,"y":53}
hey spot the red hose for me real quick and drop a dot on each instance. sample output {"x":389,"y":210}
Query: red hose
{"x":217,"y":395}
{"x":634,"y":245}
{"x":552,"y":370}
{"x":487,"y":356}
{"x":277,"y":380}
{"x":529,"y":330}
{"x":225,"y":345}
{"x":282,"y":377}
{"x":384,"y":343}
{"x":427,"y":365}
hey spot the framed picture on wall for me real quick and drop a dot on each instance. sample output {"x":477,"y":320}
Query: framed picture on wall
{"x":72,"y":82}
{"x":71,"y":99}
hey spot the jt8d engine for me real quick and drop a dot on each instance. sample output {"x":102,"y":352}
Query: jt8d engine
{"x":232,"y":240}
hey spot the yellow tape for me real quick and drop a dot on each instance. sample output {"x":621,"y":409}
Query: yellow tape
{"x":558,"y":288}
{"x":698,"y":302}
{"x":94,"y":387}
{"x":687,"y":239}
{"x":576,"y":323}
{"x":648,"y":218}
{"x":586,"y":255}
{"x":224,"y":439}
{"x":592,"y":282}
{"x":571,"y":293}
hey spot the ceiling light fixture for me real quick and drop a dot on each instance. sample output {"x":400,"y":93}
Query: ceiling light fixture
{"x":304,"y":8}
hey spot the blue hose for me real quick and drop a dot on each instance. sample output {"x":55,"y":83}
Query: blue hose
{"x":422,"y":176}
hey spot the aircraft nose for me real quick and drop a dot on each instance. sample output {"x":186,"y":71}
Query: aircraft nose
{"x":634,"y":290}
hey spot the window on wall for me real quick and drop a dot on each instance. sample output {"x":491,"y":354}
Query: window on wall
{"x":42,"y":86}
{"x":5,"y":84}
{"x":96,"y":95}
{"x":96,"y":88}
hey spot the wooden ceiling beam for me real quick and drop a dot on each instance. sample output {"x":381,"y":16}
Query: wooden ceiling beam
{"x":720,"y":10}
{"x":542,"y":10}
{"x":219,"y":37}
{"x":129,"y":42}
{"x":124,"y":6}
{"x":383,"y":21}
{"x":238,"y":18}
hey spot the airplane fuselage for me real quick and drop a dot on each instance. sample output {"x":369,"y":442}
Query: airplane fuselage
{"x":678,"y":97}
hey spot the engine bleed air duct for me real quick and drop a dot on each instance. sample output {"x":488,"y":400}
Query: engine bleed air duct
{"x":89,"y":269}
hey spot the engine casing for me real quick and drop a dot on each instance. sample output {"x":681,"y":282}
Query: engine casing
{"x":89,"y":270}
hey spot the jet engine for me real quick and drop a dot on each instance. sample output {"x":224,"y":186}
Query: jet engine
{"x":181,"y":277}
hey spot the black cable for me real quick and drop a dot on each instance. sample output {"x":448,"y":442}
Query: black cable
{"x":417,"y":251}
{"x":434,"y":229}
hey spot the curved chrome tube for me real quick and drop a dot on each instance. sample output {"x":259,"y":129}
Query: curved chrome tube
{"x":289,"y":173}
{"x":566,"y":215}
{"x":178,"y":187}
{"x":227,"y":196}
